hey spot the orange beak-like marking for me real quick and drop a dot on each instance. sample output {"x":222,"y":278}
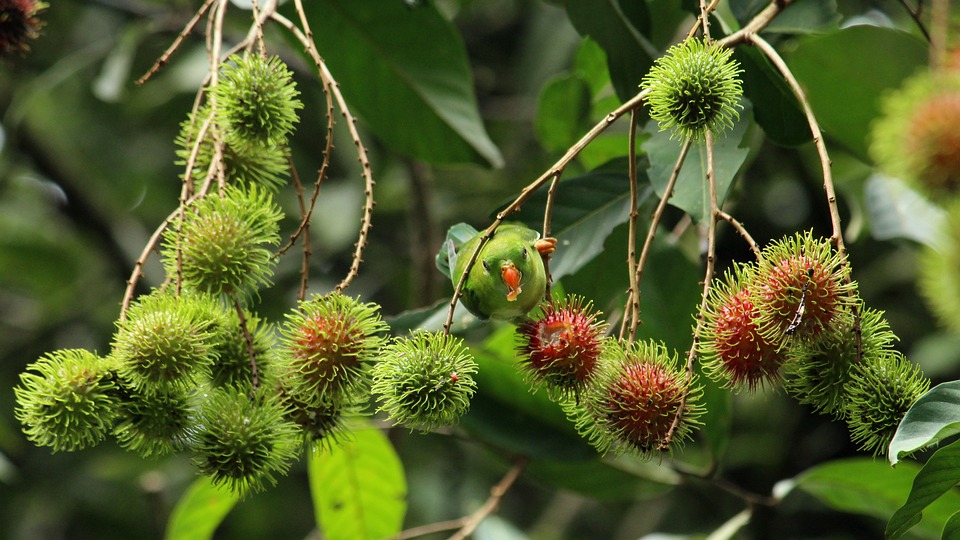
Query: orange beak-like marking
{"x":511,"y":278}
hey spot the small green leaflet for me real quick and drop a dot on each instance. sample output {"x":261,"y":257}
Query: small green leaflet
{"x":200,"y":511}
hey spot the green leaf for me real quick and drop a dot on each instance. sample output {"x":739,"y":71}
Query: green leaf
{"x":690,"y":193}
{"x":933,"y":418}
{"x":868,"y":487}
{"x":604,"y":480}
{"x":775,"y":108}
{"x":897,"y":211}
{"x":562,"y":112}
{"x":845,"y":72}
{"x":406,"y":73}
{"x":447,"y":255}
{"x":619,"y":28}
{"x":951,"y":531}
{"x":200,"y":511}
{"x":940,"y":474}
{"x":358,"y":488}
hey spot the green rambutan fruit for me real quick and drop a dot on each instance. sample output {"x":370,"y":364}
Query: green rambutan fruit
{"x":694,"y":87}
{"x":222,"y":246}
{"x":164,"y":340}
{"x":233,"y":366}
{"x":322,"y":424}
{"x":802,"y":290}
{"x":939,"y":271}
{"x":153,"y":421}
{"x":881,"y":390}
{"x":640,"y":401}
{"x":256,"y":102}
{"x":559,"y":348}
{"x":733,"y":350}
{"x":266,"y":166}
{"x":424,"y":381}
{"x":330,"y":342}
{"x":66,"y":400}
{"x":241,"y":442}
{"x":915,"y":138}
{"x":819,"y":373}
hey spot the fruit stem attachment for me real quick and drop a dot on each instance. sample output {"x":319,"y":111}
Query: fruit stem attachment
{"x":248,"y":339}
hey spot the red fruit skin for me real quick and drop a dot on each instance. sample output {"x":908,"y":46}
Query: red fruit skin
{"x":800,"y":278}
{"x":325,"y":350}
{"x":562,"y":346}
{"x":933,"y":137}
{"x":744,"y":355}
{"x":643,"y":403}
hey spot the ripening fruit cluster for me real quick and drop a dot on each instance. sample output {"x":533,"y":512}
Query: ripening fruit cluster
{"x":634,"y":397}
{"x":193,"y":368}
{"x":794,"y":319}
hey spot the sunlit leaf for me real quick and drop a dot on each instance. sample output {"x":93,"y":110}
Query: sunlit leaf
{"x":933,"y":418}
{"x":562,"y":112}
{"x":358,"y":487}
{"x":896,"y":211}
{"x":937,"y":477}
{"x":200,"y":511}
{"x":406,"y":73}
{"x":844,"y":72}
{"x":691,"y":193}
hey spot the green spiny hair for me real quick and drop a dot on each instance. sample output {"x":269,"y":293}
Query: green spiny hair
{"x":153,"y":421}
{"x":66,"y":400}
{"x":425,"y":381}
{"x":694,"y":87}
{"x":222,"y":246}
{"x":939,"y":271}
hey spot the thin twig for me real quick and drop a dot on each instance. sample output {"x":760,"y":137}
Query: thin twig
{"x":915,"y":15}
{"x":756,"y":24}
{"x":431,"y":528}
{"x":304,"y":227}
{"x":711,"y":477}
{"x":655,"y":222}
{"x":165,"y":57}
{"x":939,"y":32}
{"x":707,"y":279}
{"x":632,"y":311}
{"x":306,"y":39}
{"x":490,"y":506}
{"x":547,"y":218}
{"x":248,"y":339}
{"x":741,"y":230}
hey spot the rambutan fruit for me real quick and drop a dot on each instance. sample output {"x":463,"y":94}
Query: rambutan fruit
{"x":802,"y":289}
{"x":559,"y":348}
{"x":153,"y":421}
{"x":694,"y":87}
{"x":818,"y":374}
{"x":424,"y":381}
{"x":640,"y":401}
{"x":232,"y":344}
{"x":66,"y":400}
{"x":732,"y":348}
{"x":19,"y":25}
{"x":916,"y":138}
{"x":939,"y":271}
{"x":881,"y":390}
{"x":330,"y":342}
{"x":243,"y":442}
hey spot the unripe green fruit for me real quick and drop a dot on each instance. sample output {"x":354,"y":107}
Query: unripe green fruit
{"x":222,"y":246}
{"x":256,"y":102}
{"x":241,"y":442}
{"x":233,"y":366}
{"x":66,"y":400}
{"x":881,"y":390}
{"x":694,"y":87}
{"x":425,"y":381}
{"x":153,"y":421}
{"x":164,"y":340}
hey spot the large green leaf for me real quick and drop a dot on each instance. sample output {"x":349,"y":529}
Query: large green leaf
{"x":562,"y":112}
{"x":358,"y":487}
{"x":939,"y":476}
{"x":933,"y":418}
{"x":869,"y":487}
{"x":405,"y":71}
{"x":775,"y":108}
{"x":200,"y":511}
{"x":897,"y":211}
{"x":619,"y":27}
{"x":690,"y":193}
{"x":845,"y":72}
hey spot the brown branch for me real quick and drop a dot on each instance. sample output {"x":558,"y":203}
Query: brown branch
{"x":165,"y":57}
{"x":711,"y":477}
{"x":248,"y":339}
{"x":493,"y":501}
{"x":757,"y":24}
{"x":741,"y":230}
{"x":547,"y":218}
{"x":632,"y":312}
